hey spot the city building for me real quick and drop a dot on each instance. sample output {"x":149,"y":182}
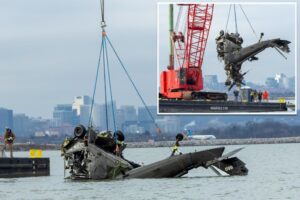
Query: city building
{"x":169,"y":124}
{"x":292,"y":83}
{"x":129,"y":113}
{"x":110,"y":111}
{"x":143,"y":115}
{"x":281,"y":81}
{"x":82,"y":105}
{"x":64,"y":115}
{"x":22,"y":124}
{"x":134,"y":129}
{"x":81,"y":101}
{"x":6,"y":116}
{"x":271,"y":82}
{"x":211,"y":81}
{"x":126,"y":116}
{"x":144,"y":119}
{"x":120,"y":119}
{"x":84,"y":115}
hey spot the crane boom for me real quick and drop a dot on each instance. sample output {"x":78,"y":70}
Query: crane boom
{"x":186,"y":80}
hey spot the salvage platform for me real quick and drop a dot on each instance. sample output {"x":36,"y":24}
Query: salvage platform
{"x":24,"y":167}
{"x":196,"y":106}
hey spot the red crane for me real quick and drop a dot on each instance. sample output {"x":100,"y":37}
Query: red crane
{"x":186,"y":81}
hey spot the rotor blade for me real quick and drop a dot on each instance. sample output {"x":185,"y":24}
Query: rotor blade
{"x":64,"y":168}
{"x":280,"y":53}
{"x":231,"y":153}
{"x":245,"y":73}
{"x":231,"y":86}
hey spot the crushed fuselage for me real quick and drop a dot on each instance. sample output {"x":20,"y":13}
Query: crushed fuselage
{"x":230,"y":50}
{"x":86,"y":160}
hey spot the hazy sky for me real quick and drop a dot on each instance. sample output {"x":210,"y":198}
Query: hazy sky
{"x":49,"y":50}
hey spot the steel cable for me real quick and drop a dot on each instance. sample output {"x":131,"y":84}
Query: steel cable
{"x":110,"y":89}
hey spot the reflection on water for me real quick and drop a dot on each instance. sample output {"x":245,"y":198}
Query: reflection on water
{"x":273,"y":174}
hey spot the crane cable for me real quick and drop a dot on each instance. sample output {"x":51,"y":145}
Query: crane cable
{"x":132,"y":83}
{"x":228,"y":18}
{"x":178,"y":19}
{"x":106,"y":74}
{"x":261,"y":33}
{"x":104,"y":80}
{"x":95,"y":85}
{"x":110,"y":89}
{"x":235,"y":18}
{"x":104,"y":54}
{"x":102,"y":14}
{"x":105,"y":57}
{"x":249,"y":22}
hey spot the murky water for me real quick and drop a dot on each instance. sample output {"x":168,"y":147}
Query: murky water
{"x":274,"y":173}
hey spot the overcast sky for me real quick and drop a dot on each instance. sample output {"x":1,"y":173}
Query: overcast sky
{"x":49,"y":50}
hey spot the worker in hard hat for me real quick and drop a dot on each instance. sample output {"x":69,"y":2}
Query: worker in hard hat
{"x":255,"y":96}
{"x":236,"y":95}
{"x":175,"y":149}
{"x":120,"y":145}
{"x":260,"y":94}
{"x":9,"y":138}
{"x":252,"y":96}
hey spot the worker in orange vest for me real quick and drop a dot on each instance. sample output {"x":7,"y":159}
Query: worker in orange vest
{"x":266,"y":96}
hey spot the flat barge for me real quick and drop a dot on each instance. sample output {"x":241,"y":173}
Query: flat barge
{"x":24,"y":167}
{"x":196,"y":106}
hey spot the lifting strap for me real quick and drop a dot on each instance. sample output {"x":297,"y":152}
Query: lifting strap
{"x":107,"y":79}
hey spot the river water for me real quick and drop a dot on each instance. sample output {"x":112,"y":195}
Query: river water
{"x":274,"y":173}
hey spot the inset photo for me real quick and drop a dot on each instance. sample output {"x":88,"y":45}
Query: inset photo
{"x":227,"y":58}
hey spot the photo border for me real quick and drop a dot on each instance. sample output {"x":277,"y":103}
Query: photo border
{"x":227,"y":3}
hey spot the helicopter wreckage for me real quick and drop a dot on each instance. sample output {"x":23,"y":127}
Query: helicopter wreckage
{"x":91,"y":154}
{"x":230,"y":50}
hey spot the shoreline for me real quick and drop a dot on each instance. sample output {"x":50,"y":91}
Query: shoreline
{"x":153,"y":144}
{"x":216,"y":142}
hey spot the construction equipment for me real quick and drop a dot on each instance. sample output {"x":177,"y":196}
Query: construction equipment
{"x":186,"y":81}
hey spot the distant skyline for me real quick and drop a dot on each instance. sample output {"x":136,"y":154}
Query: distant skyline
{"x":49,"y":51}
{"x":118,"y":106}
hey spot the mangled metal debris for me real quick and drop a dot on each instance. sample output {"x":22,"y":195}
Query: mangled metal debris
{"x":230,"y":50}
{"x":92,"y":155}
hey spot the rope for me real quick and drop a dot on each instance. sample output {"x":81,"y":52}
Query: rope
{"x":106,"y":63}
{"x":131,"y":81}
{"x":110,"y":90}
{"x":228,"y":18}
{"x":249,"y":22}
{"x":235,"y":20}
{"x":104,"y":77}
{"x":178,"y":19}
{"x":185,"y":18}
{"x":95,"y":85}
